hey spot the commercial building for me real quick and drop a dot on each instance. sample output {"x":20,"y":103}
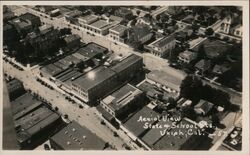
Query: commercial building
{"x":34,"y":122}
{"x":71,"y":16}
{"x":95,"y":84}
{"x":76,"y":137}
{"x":86,"y":20}
{"x":122,"y":100}
{"x":102,"y":80}
{"x":135,"y":127}
{"x":139,"y":33}
{"x":162,"y":46}
{"x":128,"y":67}
{"x":170,"y":81}
{"x":15,"y":89}
{"x":116,"y":33}
{"x":183,"y":136}
{"x":22,"y":27}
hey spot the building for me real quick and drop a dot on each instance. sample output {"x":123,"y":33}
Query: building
{"x":51,"y":70}
{"x":117,"y":33}
{"x":95,"y":84}
{"x":22,"y":27}
{"x":72,"y":41}
{"x":15,"y":89}
{"x":139,"y":33}
{"x":202,"y":66}
{"x":221,"y":69}
{"x":86,"y":20}
{"x":100,"y":27}
{"x":237,"y":31}
{"x":128,"y":67}
{"x":44,"y":39}
{"x":122,"y":100}
{"x":71,"y":16}
{"x":125,"y":13}
{"x":9,"y":33}
{"x":162,"y":46}
{"x":183,"y":102}
{"x":186,"y":57}
{"x":234,"y":139}
{"x":76,"y":137}
{"x":168,"y":81}
{"x":34,"y":122}
{"x":135,"y":128}
{"x":183,"y":136}
{"x":203,"y":107}
{"x":34,"y":20}
{"x":155,"y":134}
{"x":46,"y":8}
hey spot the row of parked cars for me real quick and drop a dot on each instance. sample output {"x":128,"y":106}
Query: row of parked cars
{"x":13,"y":64}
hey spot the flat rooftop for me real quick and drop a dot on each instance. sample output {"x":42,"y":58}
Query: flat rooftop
{"x":119,"y":28}
{"x":135,"y":126}
{"x":51,"y":69}
{"x":101,"y":24}
{"x":175,"y":141}
{"x":122,"y":96}
{"x":125,"y":63}
{"x":77,"y":137}
{"x":172,"y":79}
{"x":93,"y":78}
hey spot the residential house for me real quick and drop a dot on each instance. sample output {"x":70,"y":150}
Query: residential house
{"x":187,"y":57}
{"x":125,"y":13}
{"x":220,"y":69}
{"x":203,"y":107}
{"x":203,"y":66}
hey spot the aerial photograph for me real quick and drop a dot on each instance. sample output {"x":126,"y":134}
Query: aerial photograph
{"x":129,"y":77}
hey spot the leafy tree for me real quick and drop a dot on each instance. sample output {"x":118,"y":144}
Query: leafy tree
{"x":191,"y":88}
{"x":209,"y":32}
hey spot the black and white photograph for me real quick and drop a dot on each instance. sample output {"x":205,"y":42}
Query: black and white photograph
{"x":124,"y":77}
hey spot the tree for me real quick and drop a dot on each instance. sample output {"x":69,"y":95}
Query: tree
{"x":209,"y":32}
{"x":191,"y":88}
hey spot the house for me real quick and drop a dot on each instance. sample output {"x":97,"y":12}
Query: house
{"x":183,"y":102}
{"x":116,"y":33}
{"x":122,"y":100}
{"x":125,"y":13}
{"x":72,"y":41}
{"x":169,"y":81}
{"x":76,"y":137}
{"x":162,"y":46}
{"x":203,"y":107}
{"x":203,"y":66}
{"x":139,"y":33}
{"x":220,"y":69}
{"x":187,"y":57}
{"x":237,"y":30}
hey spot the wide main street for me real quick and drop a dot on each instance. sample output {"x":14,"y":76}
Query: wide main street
{"x":87,"y":117}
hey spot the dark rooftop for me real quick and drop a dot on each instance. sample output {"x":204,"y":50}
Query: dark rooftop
{"x":125,"y":63}
{"x":171,"y":141}
{"x":28,"y":16}
{"x":135,"y":126}
{"x":71,"y":38}
{"x":52,"y":69}
{"x":164,"y":41}
{"x":203,"y":64}
{"x":14,"y":85}
{"x":23,"y":102}
{"x":77,"y":137}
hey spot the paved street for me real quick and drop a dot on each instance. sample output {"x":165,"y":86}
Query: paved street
{"x":86,"y":117}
